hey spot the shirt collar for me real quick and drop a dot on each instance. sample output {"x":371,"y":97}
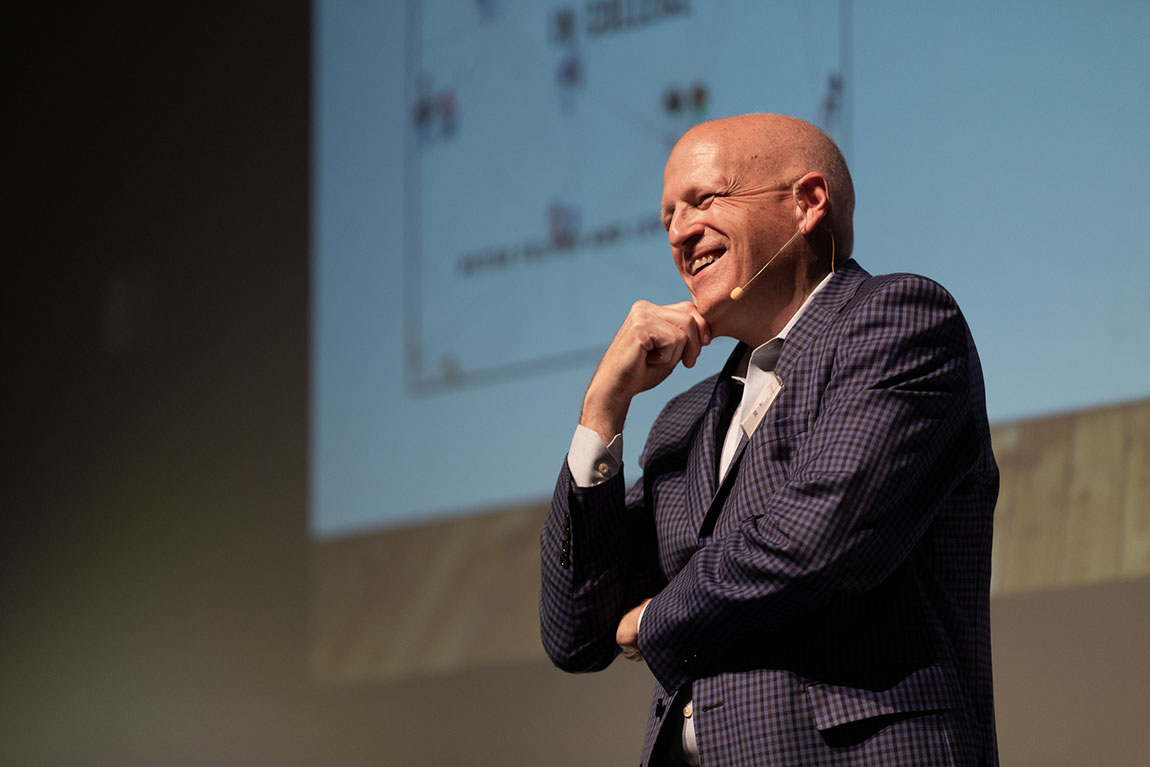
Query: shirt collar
{"x":757,"y":355}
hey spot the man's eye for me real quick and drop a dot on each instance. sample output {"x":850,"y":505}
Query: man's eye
{"x":705,"y":200}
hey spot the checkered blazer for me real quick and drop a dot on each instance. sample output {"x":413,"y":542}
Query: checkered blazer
{"x":827,"y":603}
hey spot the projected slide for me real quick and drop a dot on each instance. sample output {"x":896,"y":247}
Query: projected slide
{"x":536,"y":138}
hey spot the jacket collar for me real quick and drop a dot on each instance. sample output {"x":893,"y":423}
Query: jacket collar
{"x":845,"y":282}
{"x":706,"y":495}
{"x":829,"y":301}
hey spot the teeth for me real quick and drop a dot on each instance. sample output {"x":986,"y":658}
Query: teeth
{"x":700,"y":262}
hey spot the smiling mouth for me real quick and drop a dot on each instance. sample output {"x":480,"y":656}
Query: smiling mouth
{"x":699,"y":263}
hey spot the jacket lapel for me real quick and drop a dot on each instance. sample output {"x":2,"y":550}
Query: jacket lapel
{"x":707,"y":503}
{"x":822,"y":309}
{"x":703,"y":461}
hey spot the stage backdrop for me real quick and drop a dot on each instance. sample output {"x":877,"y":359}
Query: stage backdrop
{"x":486,"y":181}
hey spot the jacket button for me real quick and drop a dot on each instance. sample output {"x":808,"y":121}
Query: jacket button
{"x":659,"y":708}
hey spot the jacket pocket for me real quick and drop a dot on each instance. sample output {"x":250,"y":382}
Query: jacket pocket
{"x":792,"y":425}
{"x":928,"y":689}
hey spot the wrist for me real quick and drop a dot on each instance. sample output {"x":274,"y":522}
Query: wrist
{"x":604,"y":415}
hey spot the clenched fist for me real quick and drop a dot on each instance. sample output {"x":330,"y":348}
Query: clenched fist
{"x":651,"y":342}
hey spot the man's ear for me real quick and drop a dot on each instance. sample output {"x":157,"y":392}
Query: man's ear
{"x":812,"y":201}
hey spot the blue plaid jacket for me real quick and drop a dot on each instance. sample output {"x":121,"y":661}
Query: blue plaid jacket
{"x":827,"y":603}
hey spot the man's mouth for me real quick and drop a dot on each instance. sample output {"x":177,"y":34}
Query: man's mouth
{"x":699,"y":263}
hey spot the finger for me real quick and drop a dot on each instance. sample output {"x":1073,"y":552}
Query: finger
{"x":667,"y":350}
{"x":699,"y":322}
{"x":694,"y":343}
{"x":692,"y":339}
{"x":703,"y":326}
{"x":693,"y":322}
{"x":666,"y":322}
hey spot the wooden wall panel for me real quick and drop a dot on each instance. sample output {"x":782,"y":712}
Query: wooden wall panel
{"x":1092,"y":547}
{"x":1074,"y":505}
{"x":1035,"y":485}
{"x":1136,"y":500}
{"x":428,"y":598}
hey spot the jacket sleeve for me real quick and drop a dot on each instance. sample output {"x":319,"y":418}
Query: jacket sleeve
{"x":891,"y":437}
{"x":599,"y":560}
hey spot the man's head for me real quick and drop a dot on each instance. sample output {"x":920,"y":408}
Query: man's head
{"x":734,"y":192}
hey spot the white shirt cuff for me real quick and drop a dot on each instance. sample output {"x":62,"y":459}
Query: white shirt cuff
{"x":590,"y":461}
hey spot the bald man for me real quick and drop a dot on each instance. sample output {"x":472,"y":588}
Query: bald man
{"x":804,"y":564}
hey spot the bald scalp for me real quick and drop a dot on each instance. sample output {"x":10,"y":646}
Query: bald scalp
{"x":785,"y":148}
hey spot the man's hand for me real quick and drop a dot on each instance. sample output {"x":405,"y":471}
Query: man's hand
{"x":651,"y":342}
{"x":627,"y":635}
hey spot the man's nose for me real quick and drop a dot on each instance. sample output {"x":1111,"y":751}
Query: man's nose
{"x":684,"y":225}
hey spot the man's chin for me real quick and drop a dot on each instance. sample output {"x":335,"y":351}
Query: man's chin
{"x":716,"y":313}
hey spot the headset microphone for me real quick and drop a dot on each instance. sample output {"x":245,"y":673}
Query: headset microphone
{"x":737,"y":293}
